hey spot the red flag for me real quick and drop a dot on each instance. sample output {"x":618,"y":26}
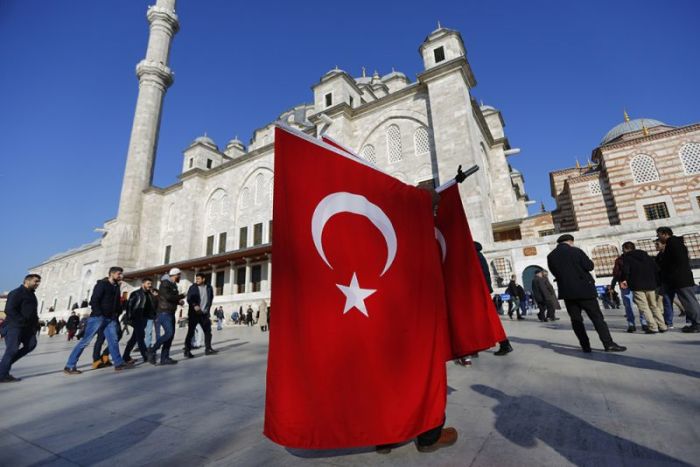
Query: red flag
{"x":358,"y":330}
{"x":474,"y":324}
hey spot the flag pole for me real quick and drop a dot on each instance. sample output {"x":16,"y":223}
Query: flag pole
{"x":471,"y":171}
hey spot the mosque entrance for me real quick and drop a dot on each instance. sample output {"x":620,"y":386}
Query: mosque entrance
{"x":528,"y":275}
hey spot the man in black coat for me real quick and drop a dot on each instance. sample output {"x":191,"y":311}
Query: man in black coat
{"x":515,"y":297}
{"x":141,"y":304}
{"x":676,"y":272}
{"x":169,"y":297}
{"x":504,"y":345}
{"x":571,"y":268}
{"x":20,"y":325}
{"x":199,"y":298}
{"x":640,"y":274}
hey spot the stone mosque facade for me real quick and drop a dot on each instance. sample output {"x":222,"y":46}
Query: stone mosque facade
{"x":217,"y":219}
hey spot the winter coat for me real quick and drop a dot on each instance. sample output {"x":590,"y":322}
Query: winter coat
{"x":194,"y":299}
{"x":136,"y":306}
{"x":106,"y":299}
{"x":21,"y":308}
{"x":168,"y":296}
{"x":571,"y":268}
{"x":640,"y":271}
{"x":73,"y":322}
{"x":543,"y":291}
{"x":675,"y":264}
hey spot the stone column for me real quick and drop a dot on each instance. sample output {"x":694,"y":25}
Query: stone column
{"x":232,"y":277}
{"x":248,"y":274}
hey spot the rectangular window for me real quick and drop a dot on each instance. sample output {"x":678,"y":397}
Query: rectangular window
{"x":269,"y":232}
{"x":191,"y":162}
{"x":219,"y":286}
{"x":329,"y":99}
{"x":208,"y":163}
{"x":240,"y":280}
{"x":697,"y":198}
{"x":243,"y":238}
{"x":439,"y":54}
{"x":351,"y":101}
{"x":222,"y":242}
{"x":257,"y":234}
{"x":210,"y":245}
{"x":256,"y":276}
{"x":507,"y":235}
{"x":166,"y":258}
{"x":656,"y":211}
{"x":544,"y":233}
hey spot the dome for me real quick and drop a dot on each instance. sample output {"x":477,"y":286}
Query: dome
{"x":205,"y":140}
{"x":235,"y":142}
{"x":394,"y":74}
{"x":629,"y":127}
{"x":334,"y":71}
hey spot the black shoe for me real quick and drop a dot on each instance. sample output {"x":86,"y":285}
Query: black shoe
{"x":554,"y":319}
{"x":504,"y":350}
{"x":615,"y":348}
{"x":645,"y":328}
{"x":649,"y":331}
{"x":71,"y":371}
{"x":631,"y":329}
{"x":384,"y":448}
{"x":520,"y":318}
{"x":690,"y":328}
{"x":510,"y":316}
{"x":10,"y":379}
{"x":188,"y":354}
{"x":210,"y":351}
{"x":123,"y":366}
{"x":586,"y":349}
{"x":151,"y":356}
{"x":169,"y":361}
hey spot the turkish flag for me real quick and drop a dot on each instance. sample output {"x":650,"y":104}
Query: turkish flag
{"x":474,"y":324}
{"x":358,"y":330}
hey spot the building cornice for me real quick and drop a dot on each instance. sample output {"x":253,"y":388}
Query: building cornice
{"x":597,"y":152}
{"x":459,"y":63}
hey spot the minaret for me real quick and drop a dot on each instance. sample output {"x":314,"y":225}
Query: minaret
{"x":154,"y":77}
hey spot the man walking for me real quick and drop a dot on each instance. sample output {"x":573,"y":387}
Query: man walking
{"x":514,"y":302}
{"x":640,"y":275}
{"x":667,"y":295}
{"x":676,"y":272}
{"x":141,"y":303}
{"x":106,"y":307}
{"x":199,"y":298}
{"x":169,"y":297}
{"x":219,"y":312}
{"x":544,"y":295}
{"x":571,"y":268}
{"x":20,"y":325}
{"x":72,"y":324}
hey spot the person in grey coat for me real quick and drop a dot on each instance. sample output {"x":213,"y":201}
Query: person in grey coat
{"x":545,"y":297}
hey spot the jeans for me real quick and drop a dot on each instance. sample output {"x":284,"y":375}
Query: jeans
{"x":150,"y":324}
{"x":96,"y":324}
{"x":137,"y":337}
{"x":668,"y":308}
{"x":629,"y":312}
{"x":167,"y":322}
{"x":14,"y":337}
{"x":219,"y":324}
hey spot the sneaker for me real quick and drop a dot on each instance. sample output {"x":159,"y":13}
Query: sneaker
{"x":690,"y":328}
{"x":72,"y":371}
{"x":188,"y":354}
{"x":123,"y":366}
{"x":97,"y":364}
{"x":645,"y":328}
{"x":130,"y":361}
{"x":10,"y":379}
{"x":448,"y":437}
{"x":586,"y":349}
{"x":210,"y":351}
{"x":650,"y":331}
{"x":151,"y":354}
{"x":615,"y":348}
{"x":631,"y":328}
{"x":504,"y":350}
{"x":169,"y":361}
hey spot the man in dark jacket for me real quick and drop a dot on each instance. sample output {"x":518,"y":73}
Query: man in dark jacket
{"x":667,"y":294}
{"x":676,"y":272}
{"x":106,"y":307}
{"x":571,"y":268}
{"x":640,"y":275}
{"x":545,"y":297}
{"x":169,"y":297}
{"x":141,"y":304}
{"x":20,"y":325}
{"x":199,"y":298}
{"x":72,"y":325}
{"x":514,"y":302}
{"x":504,"y":345}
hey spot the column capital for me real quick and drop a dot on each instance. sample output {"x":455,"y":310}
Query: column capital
{"x":164,"y":15}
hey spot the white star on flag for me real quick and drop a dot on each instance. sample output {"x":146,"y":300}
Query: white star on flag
{"x":355,"y":296}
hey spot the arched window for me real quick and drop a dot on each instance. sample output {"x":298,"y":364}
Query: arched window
{"x":502,"y":270}
{"x":245,"y":198}
{"x":604,"y":257}
{"x":643,"y":169}
{"x":421,"y":141}
{"x":690,"y":157}
{"x":692,"y":243}
{"x":393,"y":143}
{"x":369,"y":154}
{"x":259,"y":188}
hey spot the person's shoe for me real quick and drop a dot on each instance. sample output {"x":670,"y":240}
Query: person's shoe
{"x":210,"y":351}
{"x":645,"y":328}
{"x":504,"y":350}
{"x":690,"y":328}
{"x":615,"y":348}
{"x":510,"y":316}
{"x":151,"y":356}
{"x":383,"y":448}
{"x":663,"y":330}
{"x":10,"y":379}
{"x":520,"y":318}
{"x":631,"y":328}
{"x":671,"y":326}
{"x":553,"y":319}
{"x":169,"y":361}
{"x":188,"y":354}
{"x":97,"y":364}
{"x":448,"y":437}
{"x":650,"y":331}
{"x":71,"y":371}
{"x":130,"y":361}
{"x":586,"y":349}
{"x":105,"y":360}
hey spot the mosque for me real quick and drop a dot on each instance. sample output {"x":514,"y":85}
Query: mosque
{"x":217,"y":218}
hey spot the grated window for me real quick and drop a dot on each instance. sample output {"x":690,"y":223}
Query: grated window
{"x":643,"y":169}
{"x":594,"y":187}
{"x":656,"y":211}
{"x":502,"y":269}
{"x":604,"y":257}
{"x":690,"y":157}
{"x":421,"y":141}
{"x":369,"y":154}
{"x":393,"y":142}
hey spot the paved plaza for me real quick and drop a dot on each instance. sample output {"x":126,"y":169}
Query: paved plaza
{"x":546,"y":404}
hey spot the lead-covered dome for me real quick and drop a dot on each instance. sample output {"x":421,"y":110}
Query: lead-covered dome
{"x":630,"y":126}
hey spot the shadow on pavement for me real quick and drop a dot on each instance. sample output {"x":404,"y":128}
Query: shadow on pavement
{"x":617,"y":358}
{"x":110,"y":444}
{"x":525,"y":419}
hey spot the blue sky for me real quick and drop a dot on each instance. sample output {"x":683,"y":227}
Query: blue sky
{"x":561,"y":73}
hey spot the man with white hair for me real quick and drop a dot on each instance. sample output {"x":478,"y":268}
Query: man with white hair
{"x":169,"y":297}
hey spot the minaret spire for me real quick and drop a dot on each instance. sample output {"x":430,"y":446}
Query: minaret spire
{"x":154,"y":77}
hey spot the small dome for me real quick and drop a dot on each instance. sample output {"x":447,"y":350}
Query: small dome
{"x":334,"y":71}
{"x":205,"y":140}
{"x":394,"y":74}
{"x":235,"y":142}
{"x":629,"y":127}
